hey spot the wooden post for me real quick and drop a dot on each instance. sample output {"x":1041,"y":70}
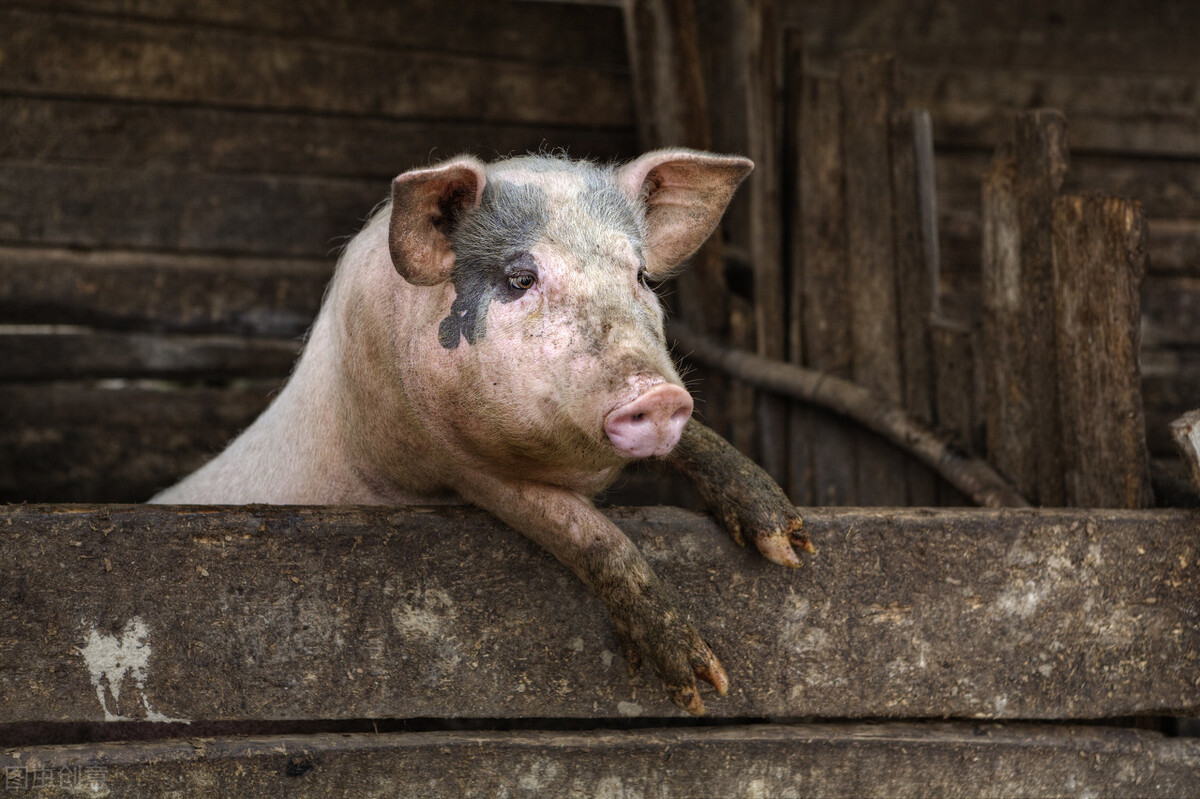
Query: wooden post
{"x":870,"y":95}
{"x":1099,"y":261}
{"x":1018,"y":285}
{"x":914,"y":202}
{"x":761,"y":53}
{"x":820,"y":260}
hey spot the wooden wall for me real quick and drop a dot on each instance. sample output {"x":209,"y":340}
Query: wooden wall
{"x":1127,"y":78}
{"x":176,"y":179}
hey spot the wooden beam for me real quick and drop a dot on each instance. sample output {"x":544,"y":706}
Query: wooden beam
{"x":760,"y":760}
{"x":81,"y":441}
{"x":78,"y":56}
{"x":341,"y":613}
{"x":870,"y":95}
{"x":162,"y":292}
{"x":1099,"y":253}
{"x":1018,"y":289}
{"x":133,"y":135}
{"x":79,"y":353}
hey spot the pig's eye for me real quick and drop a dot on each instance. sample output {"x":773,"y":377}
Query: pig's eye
{"x":642,"y":279}
{"x":522,"y":281}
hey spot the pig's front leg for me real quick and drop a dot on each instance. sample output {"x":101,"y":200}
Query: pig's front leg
{"x":743,"y":497}
{"x":649,"y":621}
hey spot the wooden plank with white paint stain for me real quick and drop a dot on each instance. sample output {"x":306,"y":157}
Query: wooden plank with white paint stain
{"x":890,"y":761}
{"x":269,"y":613}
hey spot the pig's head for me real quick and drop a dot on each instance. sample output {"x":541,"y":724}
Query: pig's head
{"x":548,"y":354}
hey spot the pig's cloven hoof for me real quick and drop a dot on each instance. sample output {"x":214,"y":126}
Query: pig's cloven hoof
{"x":678,"y":663}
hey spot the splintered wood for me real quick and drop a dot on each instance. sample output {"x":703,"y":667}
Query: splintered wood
{"x":1061,"y":278}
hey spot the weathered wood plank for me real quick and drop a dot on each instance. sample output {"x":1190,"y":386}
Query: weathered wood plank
{"x":759,"y":47}
{"x":901,"y":760}
{"x":115,"y":441}
{"x":1018,"y":296}
{"x":1171,"y":311}
{"x":822,"y":265}
{"x":162,"y":292}
{"x":129,"y":208}
{"x":914,"y":227}
{"x":1153,"y":114}
{"x":76,"y":56}
{"x":1099,"y":262}
{"x":79,"y":353}
{"x":870,"y":94}
{"x":1100,"y":36}
{"x":327,"y":613}
{"x":545,"y":33}
{"x":139,"y":136}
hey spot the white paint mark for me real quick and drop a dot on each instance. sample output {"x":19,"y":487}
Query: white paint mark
{"x":629,"y":709}
{"x":113,"y":659}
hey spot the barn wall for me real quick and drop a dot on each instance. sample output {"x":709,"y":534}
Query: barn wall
{"x":176,"y":179}
{"x":1127,"y":77}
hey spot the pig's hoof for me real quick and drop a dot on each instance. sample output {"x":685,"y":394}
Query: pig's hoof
{"x":679,"y":666}
{"x":775,"y":527}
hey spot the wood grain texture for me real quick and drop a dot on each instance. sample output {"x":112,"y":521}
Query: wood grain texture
{"x":545,"y":33}
{"x":1099,"y":260}
{"x":124,"y":59}
{"x":162,"y":292}
{"x":870,"y":95}
{"x":327,"y":613}
{"x":907,"y":760}
{"x":99,"y":133}
{"x":116,"y":441}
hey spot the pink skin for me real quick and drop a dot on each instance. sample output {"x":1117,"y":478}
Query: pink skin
{"x":651,"y":424}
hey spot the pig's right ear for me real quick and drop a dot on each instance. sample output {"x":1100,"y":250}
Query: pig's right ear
{"x":684,"y":193}
{"x":425,"y":204}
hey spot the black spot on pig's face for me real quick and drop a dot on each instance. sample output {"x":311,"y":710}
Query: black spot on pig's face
{"x":491,"y":256}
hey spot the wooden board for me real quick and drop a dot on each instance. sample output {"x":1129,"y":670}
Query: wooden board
{"x":79,"y":353}
{"x":115,"y":440}
{"x":76,"y":56}
{"x":327,"y":613}
{"x":908,"y":760}
{"x":1099,"y":262}
{"x":162,"y":292}
{"x":545,"y":33}
{"x":71,"y":132}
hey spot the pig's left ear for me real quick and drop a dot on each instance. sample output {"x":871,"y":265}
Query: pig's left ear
{"x":685,"y":192}
{"x":425,"y":203}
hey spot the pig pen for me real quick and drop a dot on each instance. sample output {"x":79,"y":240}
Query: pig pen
{"x":175,"y":180}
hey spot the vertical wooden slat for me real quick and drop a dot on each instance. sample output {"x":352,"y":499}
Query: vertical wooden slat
{"x":822,"y":261}
{"x":916,"y":275}
{"x":760,"y":39}
{"x":956,"y":392}
{"x":870,"y":94}
{"x":1018,"y":194}
{"x":1099,"y":257}
{"x":800,"y":486}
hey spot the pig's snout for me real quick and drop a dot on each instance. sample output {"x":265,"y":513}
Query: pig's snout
{"x":651,"y":424}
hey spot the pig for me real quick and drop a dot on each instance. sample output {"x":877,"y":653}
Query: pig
{"x":491,"y":336}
